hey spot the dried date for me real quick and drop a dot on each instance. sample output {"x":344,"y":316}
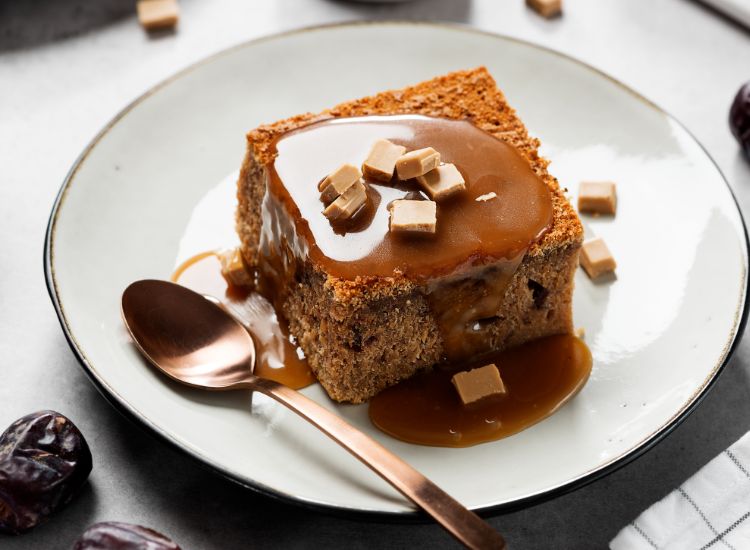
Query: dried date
{"x":739,"y":117}
{"x":122,"y":536}
{"x":44,"y":461}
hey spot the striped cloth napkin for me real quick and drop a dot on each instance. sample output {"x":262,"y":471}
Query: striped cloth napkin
{"x":709,"y":510}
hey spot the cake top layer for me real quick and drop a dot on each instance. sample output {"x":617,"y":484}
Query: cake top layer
{"x":513,"y":211}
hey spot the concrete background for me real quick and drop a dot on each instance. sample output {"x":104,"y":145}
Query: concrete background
{"x":67,"y":67}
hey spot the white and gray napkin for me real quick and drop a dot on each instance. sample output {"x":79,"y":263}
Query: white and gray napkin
{"x":710,"y":510}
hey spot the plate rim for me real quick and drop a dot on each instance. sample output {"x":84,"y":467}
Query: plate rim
{"x":594,"y":474}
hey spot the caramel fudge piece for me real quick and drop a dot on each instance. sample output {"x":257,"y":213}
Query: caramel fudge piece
{"x":348,"y":203}
{"x":336,"y":183}
{"x":478,"y":385}
{"x":442,"y":182}
{"x":157,"y":14}
{"x":416,"y":163}
{"x":546,"y":8}
{"x":596,"y":259}
{"x":233,"y":268}
{"x":381,"y":161}
{"x":363,"y":334}
{"x":597,"y":197}
{"x":408,"y":216}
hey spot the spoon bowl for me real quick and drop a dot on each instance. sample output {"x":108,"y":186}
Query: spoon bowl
{"x":192,"y":339}
{"x":189,"y":338}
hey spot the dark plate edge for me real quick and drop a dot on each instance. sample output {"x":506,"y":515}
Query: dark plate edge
{"x":372,"y":515}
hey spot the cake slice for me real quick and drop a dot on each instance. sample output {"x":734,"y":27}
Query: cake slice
{"x":367,"y":323}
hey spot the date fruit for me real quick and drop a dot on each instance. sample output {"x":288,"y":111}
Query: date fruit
{"x":739,"y":117}
{"x":111,"y":535}
{"x":44,"y":461}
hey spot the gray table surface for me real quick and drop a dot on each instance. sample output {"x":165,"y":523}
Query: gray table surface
{"x":67,"y":67}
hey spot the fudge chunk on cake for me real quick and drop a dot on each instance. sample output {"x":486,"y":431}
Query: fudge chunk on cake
{"x":369,"y":306}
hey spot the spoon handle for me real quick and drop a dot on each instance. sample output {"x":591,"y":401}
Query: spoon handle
{"x":464,"y":525}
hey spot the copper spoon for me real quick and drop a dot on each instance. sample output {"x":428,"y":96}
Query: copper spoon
{"x":194,"y":341}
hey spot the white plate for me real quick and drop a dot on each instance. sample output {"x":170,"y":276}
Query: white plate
{"x":138,"y":200}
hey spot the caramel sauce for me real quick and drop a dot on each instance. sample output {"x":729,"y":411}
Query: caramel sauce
{"x":469,"y":232}
{"x":539,"y":376}
{"x":277,"y":357}
{"x":464,"y":268}
{"x":466,"y":307}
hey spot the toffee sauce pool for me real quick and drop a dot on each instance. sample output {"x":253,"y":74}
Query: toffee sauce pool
{"x":540,"y":376}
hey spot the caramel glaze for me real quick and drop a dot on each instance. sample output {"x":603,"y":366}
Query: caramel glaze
{"x":539,"y":376}
{"x":477,"y":246}
{"x":277,"y":356}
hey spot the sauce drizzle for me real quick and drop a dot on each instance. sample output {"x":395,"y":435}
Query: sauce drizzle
{"x":277,"y":356}
{"x":469,"y":232}
{"x":540,"y":376}
{"x":463,"y":269}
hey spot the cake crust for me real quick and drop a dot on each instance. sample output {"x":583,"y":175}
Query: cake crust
{"x":361,"y":335}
